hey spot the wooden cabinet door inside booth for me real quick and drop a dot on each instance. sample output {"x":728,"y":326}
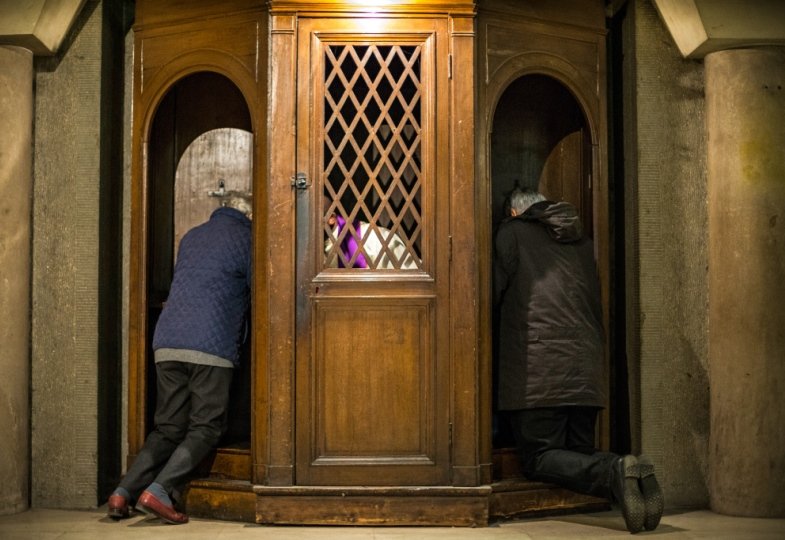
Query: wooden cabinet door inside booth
{"x":372,"y":395}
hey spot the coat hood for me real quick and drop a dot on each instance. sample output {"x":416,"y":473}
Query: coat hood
{"x":560,"y":219}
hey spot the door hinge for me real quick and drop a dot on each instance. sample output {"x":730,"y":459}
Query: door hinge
{"x":449,"y":66}
{"x":449,"y":248}
{"x":449,"y":434}
{"x":300,"y":181}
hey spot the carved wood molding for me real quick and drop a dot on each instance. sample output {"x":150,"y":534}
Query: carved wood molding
{"x":371,"y":7}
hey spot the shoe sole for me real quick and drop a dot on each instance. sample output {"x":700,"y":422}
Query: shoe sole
{"x":117,"y":514}
{"x":654,"y":502}
{"x":633,"y":506}
{"x":117,"y":511}
{"x":150,"y":511}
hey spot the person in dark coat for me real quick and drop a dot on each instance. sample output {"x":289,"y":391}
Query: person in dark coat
{"x":550,"y":371}
{"x":196,"y":345}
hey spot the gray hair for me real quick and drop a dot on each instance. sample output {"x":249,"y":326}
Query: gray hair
{"x":521,"y":199}
{"x":239,"y":202}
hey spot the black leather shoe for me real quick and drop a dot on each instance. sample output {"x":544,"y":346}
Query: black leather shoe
{"x":652,"y":494}
{"x":626,"y":492}
{"x":117,"y":507}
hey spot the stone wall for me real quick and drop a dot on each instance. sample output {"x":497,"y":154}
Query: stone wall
{"x":65,"y":271}
{"x":76,"y":281}
{"x":667,"y":260}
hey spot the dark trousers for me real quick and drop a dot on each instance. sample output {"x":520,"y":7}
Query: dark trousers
{"x":190,"y":418}
{"x":557,"y":446}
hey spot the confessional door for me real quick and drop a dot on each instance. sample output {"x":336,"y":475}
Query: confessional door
{"x":372,"y":372}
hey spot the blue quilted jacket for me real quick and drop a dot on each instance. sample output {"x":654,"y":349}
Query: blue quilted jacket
{"x":210,"y":292}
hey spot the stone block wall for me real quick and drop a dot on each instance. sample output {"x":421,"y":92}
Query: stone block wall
{"x":76,"y":353}
{"x":667,"y":259}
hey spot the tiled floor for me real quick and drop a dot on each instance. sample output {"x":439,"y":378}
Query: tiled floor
{"x":88,"y":525}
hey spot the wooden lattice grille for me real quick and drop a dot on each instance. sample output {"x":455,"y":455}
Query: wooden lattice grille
{"x":372,"y":156}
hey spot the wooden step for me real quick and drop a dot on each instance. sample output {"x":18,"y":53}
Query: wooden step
{"x":518,"y":497}
{"x":399,"y":505}
{"x":225,"y":493}
{"x":227,"y":463}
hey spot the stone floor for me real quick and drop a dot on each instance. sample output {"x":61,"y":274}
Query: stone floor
{"x":87,"y":525}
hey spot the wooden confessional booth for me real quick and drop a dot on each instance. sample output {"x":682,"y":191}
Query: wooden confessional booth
{"x":377,"y":139}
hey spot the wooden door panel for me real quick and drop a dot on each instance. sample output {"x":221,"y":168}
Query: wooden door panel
{"x":566,"y":175}
{"x":563,"y":172}
{"x":372,"y":382}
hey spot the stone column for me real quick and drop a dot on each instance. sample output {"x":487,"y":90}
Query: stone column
{"x":16,"y":179}
{"x":745,"y":117}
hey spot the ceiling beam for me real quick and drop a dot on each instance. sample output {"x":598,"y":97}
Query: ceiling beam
{"x":702,"y":26}
{"x":37,"y":25}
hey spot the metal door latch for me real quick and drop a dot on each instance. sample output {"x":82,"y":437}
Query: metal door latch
{"x":300,"y":181}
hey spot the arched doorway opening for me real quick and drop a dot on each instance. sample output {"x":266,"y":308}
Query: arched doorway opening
{"x":199,"y":151}
{"x":540,"y":139}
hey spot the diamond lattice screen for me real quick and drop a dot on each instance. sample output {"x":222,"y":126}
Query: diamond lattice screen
{"x":372,"y":157}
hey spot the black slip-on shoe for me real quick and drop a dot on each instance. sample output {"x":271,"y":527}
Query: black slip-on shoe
{"x":626,"y":492}
{"x":654,"y":502}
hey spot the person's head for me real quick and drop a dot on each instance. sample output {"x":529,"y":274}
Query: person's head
{"x":328,"y":213}
{"x":241,"y":203}
{"x":520,"y":199}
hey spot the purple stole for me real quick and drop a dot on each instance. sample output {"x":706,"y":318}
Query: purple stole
{"x":350,"y":244}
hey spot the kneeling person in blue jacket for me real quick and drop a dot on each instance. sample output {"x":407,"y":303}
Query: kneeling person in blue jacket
{"x":196,"y":346}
